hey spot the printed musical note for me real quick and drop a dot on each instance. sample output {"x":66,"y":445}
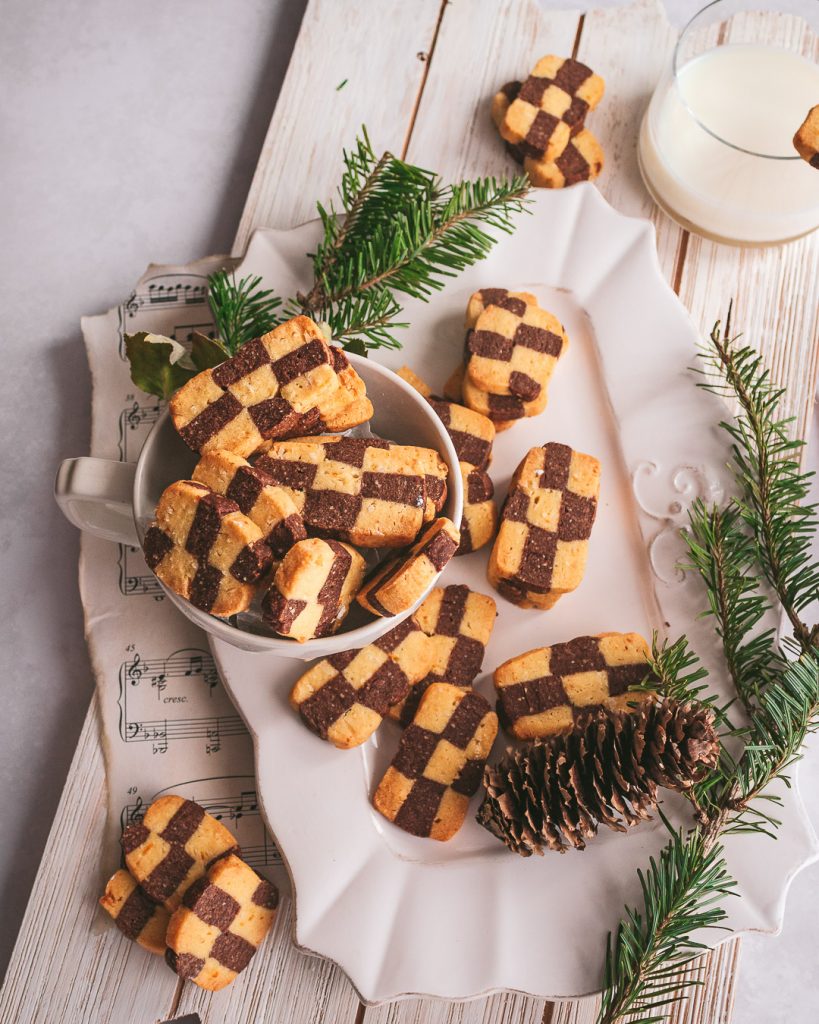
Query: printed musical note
{"x":178,"y":685}
{"x":134,"y":575}
{"x":135,"y":422}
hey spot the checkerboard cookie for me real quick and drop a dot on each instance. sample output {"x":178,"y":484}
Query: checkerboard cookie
{"x":458,"y":622}
{"x":480,"y":300}
{"x":439,"y":764}
{"x":513,"y":349}
{"x":480,"y":517}
{"x":270,"y":507}
{"x":280,"y":385}
{"x":344,"y":698}
{"x":806,"y":139}
{"x":137,"y":917}
{"x":313,"y":588}
{"x":205,"y":549}
{"x":222,"y":921}
{"x":542,"y":692}
{"x":172,"y":846}
{"x":471,"y":433}
{"x":367,"y":491}
{"x":395,"y":587}
{"x":502,"y":410}
{"x":551,"y":104}
{"x":541,"y":547}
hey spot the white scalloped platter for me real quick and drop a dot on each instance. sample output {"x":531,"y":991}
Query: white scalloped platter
{"x":403,"y":915}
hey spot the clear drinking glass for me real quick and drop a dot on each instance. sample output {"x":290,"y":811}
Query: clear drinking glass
{"x":715,"y":147}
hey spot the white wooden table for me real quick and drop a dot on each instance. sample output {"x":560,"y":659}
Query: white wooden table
{"x":420,"y":75}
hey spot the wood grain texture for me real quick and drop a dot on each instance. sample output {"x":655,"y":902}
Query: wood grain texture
{"x":69,"y":964}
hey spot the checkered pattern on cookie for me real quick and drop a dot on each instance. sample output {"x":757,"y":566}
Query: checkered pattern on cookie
{"x":222,"y":921}
{"x":367,"y":491}
{"x":581,"y":160}
{"x":398,"y":584}
{"x":134,"y":914}
{"x":551,"y":103}
{"x":806,"y":140}
{"x":485,"y":297}
{"x":502,"y":410}
{"x":280,"y":385}
{"x":270,"y":507}
{"x":471,"y":433}
{"x":439,"y":763}
{"x":172,"y":846}
{"x":458,"y":622}
{"x":480,"y":517}
{"x":205,"y":549}
{"x":541,"y":547}
{"x":313,"y":588}
{"x":542,"y":692}
{"x":513,"y":349}
{"x":344,"y":698}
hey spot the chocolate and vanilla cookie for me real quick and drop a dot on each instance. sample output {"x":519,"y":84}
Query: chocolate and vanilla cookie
{"x":138,"y":918}
{"x":480,"y":516}
{"x":503,"y":410}
{"x":458,"y":623}
{"x":542,"y":692}
{"x":439,"y":764}
{"x":270,"y":507}
{"x":399,"y":583}
{"x":366,"y":491}
{"x":313,"y":588}
{"x":205,"y":549}
{"x":513,"y":349}
{"x":280,"y":385}
{"x":806,"y":140}
{"x":541,"y":548}
{"x":172,"y":846}
{"x":222,"y":921}
{"x":551,"y":104}
{"x":480,"y":300}
{"x":344,"y":698}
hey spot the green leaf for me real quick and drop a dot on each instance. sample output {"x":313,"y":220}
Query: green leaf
{"x":152,"y":370}
{"x":207,"y":352}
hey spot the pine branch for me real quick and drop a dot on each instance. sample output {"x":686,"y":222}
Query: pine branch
{"x":647,"y":958}
{"x":242,"y":310}
{"x":766,"y":464}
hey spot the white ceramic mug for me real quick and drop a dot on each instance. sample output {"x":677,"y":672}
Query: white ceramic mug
{"x":116,"y":500}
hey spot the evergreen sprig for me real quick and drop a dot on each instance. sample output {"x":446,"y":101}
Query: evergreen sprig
{"x":398,"y":231}
{"x":753,"y":555}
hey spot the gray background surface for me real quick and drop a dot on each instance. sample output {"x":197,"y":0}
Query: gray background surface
{"x":129,"y":134}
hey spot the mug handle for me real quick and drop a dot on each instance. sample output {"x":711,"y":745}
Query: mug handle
{"x":97,"y":496}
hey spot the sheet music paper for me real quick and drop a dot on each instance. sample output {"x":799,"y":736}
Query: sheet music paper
{"x":168,"y":726}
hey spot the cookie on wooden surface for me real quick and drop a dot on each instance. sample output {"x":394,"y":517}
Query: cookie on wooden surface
{"x":367,"y":491}
{"x":137,"y":917}
{"x":172,"y":846}
{"x":806,"y":140}
{"x":344,"y":698}
{"x":543,"y":691}
{"x":581,"y":160}
{"x":222,"y":921}
{"x":205,"y":549}
{"x":439,"y":764}
{"x":541,"y":548}
{"x":480,"y":517}
{"x":400,"y":582}
{"x":513,"y":349}
{"x":313,"y":588}
{"x":551,"y":104}
{"x":458,"y":622}
{"x":270,"y":507}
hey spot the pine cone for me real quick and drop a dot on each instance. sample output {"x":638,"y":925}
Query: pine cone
{"x":553,"y":793}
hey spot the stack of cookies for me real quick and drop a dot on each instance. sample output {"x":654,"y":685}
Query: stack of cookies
{"x":419,"y":674}
{"x":289,"y":527}
{"x":186,"y":894}
{"x":542,"y":122}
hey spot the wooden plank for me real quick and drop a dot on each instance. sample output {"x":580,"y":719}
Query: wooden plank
{"x":382,"y":59}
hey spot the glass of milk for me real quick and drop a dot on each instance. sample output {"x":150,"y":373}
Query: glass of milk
{"x":715,"y":146}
